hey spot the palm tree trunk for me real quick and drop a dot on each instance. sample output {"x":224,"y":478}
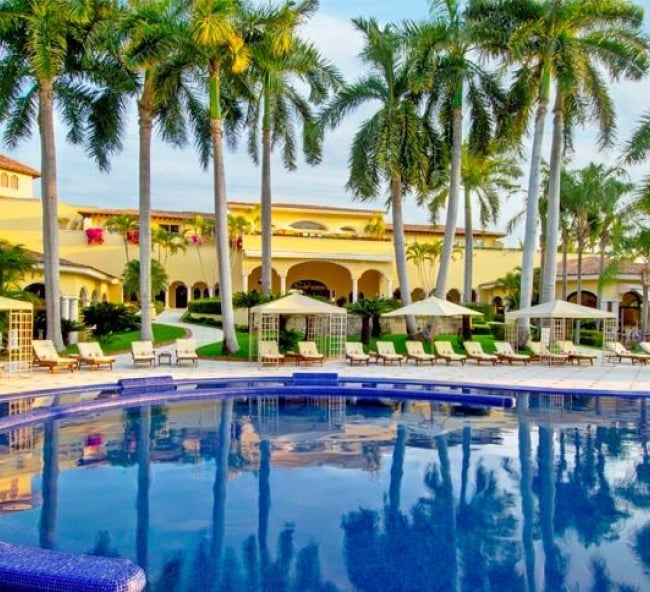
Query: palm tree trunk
{"x":220,"y":490}
{"x":145,"y":108}
{"x":452,"y":205}
{"x":469,"y":248}
{"x":144,"y":486}
{"x":532,"y":214}
{"x":230,"y":344}
{"x":266,"y":206}
{"x":565,"y":252}
{"x":50,"y":487}
{"x":50,"y":214}
{"x":553,"y":213}
{"x":400,"y":249}
{"x":604,"y":240}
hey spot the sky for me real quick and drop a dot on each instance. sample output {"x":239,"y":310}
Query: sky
{"x":179,"y":182}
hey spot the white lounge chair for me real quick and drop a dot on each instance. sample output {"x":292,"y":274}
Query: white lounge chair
{"x":309,"y":353}
{"x":269,"y":353}
{"x":186,"y":351}
{"x":569,"y":348}
{"x":615,"y":350}
{"x":45,"y":355}
{"x":354,"y":353}
{"x":543,"y":354}
{"x":475,"y":352}
{"x":91,"y":354}
{"x":386,"y":353}
{"x":143,"y":353}
{"x":447,"y":353}
{"x":415,"y":351}
{"x":505,"y":353}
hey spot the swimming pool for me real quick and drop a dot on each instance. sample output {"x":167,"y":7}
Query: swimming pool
{"x":314,"y":491}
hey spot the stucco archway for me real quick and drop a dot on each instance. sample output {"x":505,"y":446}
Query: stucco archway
{"x":320,"y":276}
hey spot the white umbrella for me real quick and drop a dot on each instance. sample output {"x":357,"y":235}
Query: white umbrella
{"x":559,"y":309}
{"x":432,"y":307}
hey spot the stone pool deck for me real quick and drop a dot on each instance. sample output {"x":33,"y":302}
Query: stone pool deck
{"x":623,"y":377}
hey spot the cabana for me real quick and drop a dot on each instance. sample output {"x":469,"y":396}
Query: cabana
{"x":554,"y":316}
{"x":19,"y":328}
{"x":325,"y":324}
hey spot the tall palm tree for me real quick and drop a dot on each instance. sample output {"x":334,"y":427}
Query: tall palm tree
{"x":168,"y":242}
{"x":155,"y":46}
{"x":485,"y":177}
{"x":15,"y":262}
{"x":565,"y":45}
{"x":281,"y":63}
{"x":45,"y":55}
{"x":395,"y":145}
{"x":215,"y":28}
{"x":447,"y":47}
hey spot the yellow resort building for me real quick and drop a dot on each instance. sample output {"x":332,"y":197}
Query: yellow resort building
{"x":343,"y":254}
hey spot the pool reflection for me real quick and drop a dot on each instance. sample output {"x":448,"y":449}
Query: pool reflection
{"x":335,"y":494}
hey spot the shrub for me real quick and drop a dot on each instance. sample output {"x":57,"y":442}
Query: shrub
{"x":487,"y":310}
{"x":205,"y":306}
{"x":106,"y":318}
{"x":591,"y":337}
{"x":288,"y":339}
{"x":480,"y":329}
{"x":498,"y":330}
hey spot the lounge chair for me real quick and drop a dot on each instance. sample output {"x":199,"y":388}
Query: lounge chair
{"x":143,"y":353}
{"x":354,"y":353}
{"x":415,"y":351}
{"x":45,"y":355}
{"x":644,"y":346}
{"x":505,"y":353}
{"x":186,"y":351}
{"x":615,"y":350}
{"x":543,"y":354}
{"x":475,"y":352}
{"x":447,"y":353}
{"x":569,"y":348}
{"x":269,"y":353}
{"x":309,"y":353}
{"x":91,"y":354}
{"x":386,"y":353}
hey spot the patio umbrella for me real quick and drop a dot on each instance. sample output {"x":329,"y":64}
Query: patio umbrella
{"x":432,"y":307}
{"x":559,"y":309}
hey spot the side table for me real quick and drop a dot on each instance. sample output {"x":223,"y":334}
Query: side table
{"x":165,"y":357}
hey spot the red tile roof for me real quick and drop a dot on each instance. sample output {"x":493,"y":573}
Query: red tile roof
{"x":9,"y":164}
{"x":590,"y":266}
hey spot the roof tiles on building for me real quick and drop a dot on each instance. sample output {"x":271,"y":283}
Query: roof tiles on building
{"x":9,"y":164}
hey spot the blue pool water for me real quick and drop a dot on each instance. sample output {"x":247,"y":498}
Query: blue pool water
{"x":332,"y":493}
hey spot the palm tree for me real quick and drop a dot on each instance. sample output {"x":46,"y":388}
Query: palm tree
{"x":168,"y":242}
{"x":221,"y":48}
{"x":281,"y":62}
{"x":15,"y":261}
{"x":569,"y":43}
{"x":125,"y":225}
{"x":447,"y":47}
{"x":425,"y":255}
{"x":155,"y":48}
{"x":45,"y":57}
{"x":395,"y":145}
{"x":201,"y":231}
{"x":485,"y":176}
{"x":131,"y":278}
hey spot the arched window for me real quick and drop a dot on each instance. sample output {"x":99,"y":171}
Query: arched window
{"x":311,"y":288}
{"x":4,"y":180}
{"x":453,"y":296}
{"x":13,"y":182}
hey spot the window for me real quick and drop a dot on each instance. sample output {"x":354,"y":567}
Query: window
{"x":175,"y":228}
{"x":13,"y":182}
{"x":307,"y":225}
{"x":4,"y":180}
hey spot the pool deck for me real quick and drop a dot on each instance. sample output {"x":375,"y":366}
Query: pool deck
{"x":623,"y":377}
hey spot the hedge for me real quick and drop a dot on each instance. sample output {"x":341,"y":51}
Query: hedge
{"x":205,"y":306}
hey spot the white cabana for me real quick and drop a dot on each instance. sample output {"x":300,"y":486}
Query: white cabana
{"x":559,"y":309}
{"x":432,"y":307}
{"x":325,"y":323}
{"x":555,"y":315}
{"x":20,"y":323}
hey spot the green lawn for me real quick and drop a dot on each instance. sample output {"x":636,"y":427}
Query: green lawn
{"x":121,"y":342}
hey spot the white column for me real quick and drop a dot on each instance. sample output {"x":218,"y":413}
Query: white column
{"x":355,"y":289}
{"x":389,"y":284}
{"x":283,"y":284}
{"x":74,"y":315}
{"x":244,"y":282}
{"x":65,"y":307}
